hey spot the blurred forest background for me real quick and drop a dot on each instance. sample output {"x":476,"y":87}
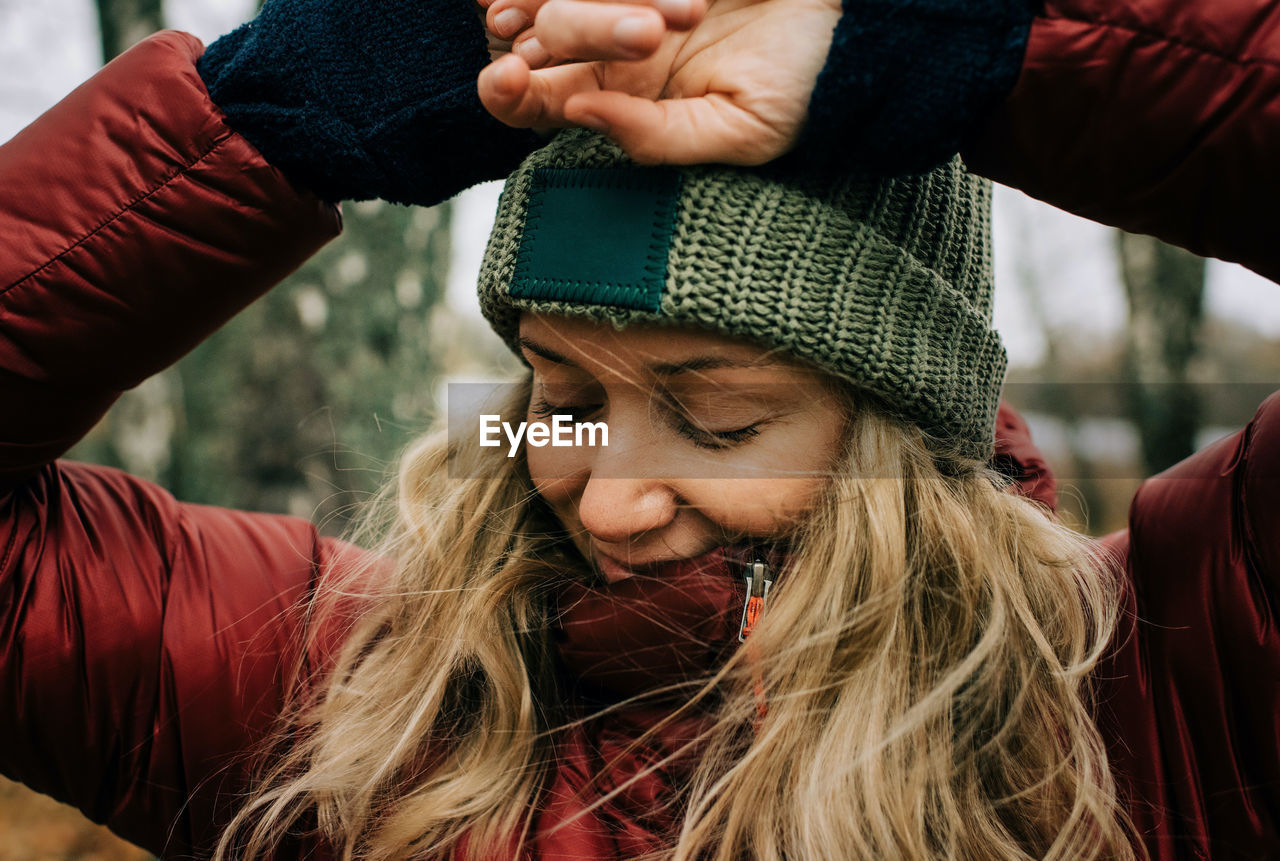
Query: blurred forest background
{"x":1126,"y":354}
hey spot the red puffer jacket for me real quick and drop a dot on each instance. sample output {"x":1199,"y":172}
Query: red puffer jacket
{"x":143,"y":641}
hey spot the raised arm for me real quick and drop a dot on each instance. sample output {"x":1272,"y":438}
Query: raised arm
{"x":135,"y":654}
{"x":1160,"y":117}
{"x":135,"y":222}
{"x":145,"y":644}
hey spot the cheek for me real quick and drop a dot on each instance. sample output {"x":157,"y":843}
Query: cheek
{"x":758,"y":507}
{"x":776,"y":483}
{"x":559,"y":475}
{"x":555,"y":472}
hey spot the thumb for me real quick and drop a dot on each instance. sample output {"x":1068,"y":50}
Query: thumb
{"x":708,"y":128}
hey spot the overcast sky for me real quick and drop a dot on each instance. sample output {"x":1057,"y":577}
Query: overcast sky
{"x":49,"y":46}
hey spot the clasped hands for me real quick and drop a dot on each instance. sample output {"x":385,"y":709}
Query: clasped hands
{"x":671,"y":81}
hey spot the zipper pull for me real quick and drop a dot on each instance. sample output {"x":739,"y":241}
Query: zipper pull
{"x":759,"y":581}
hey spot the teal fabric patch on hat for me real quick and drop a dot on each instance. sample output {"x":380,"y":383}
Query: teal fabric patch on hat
{"x":597,"y":236}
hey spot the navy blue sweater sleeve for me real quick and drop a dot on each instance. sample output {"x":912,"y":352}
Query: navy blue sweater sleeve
{"x":906,"y":81}
{"x":355,"y":99}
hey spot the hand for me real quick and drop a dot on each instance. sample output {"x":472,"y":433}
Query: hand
{"x":729,"y":84}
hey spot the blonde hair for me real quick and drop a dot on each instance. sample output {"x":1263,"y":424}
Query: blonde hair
{"x":925,"y":658}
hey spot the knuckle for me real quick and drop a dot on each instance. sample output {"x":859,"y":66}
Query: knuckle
{"x":551,"y":16}
{"x":565,"y":30}
{"x":642,"y":151}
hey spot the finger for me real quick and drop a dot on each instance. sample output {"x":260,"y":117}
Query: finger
{"x":497,"y":47}
{"x":587,"y":30}
{"x":681,"y":14}
{"x":530,"y":48}
{"x":508,"y":18}
{"x":502,"y":85}
{"x":525,"y":99}
{"x":676,"y":131}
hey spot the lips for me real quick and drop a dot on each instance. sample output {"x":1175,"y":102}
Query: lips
{"x":615,"y":570}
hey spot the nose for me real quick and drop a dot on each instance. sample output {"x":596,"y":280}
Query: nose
{"x":618,"y":510}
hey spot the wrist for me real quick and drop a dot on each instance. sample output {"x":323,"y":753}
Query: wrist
{"x":906,"y":81}
{"x":354,"y":99}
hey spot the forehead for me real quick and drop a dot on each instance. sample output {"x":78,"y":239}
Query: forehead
{"x":590,"y":344}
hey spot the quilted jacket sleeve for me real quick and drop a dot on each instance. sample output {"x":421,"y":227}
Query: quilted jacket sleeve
{"x":1157,"y":116}
{"x":1190,"y":698}
{"x":1163,"y":117}
{"x":143,"y":642}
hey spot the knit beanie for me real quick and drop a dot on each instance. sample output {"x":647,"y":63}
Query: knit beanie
{"x":886,"y":282}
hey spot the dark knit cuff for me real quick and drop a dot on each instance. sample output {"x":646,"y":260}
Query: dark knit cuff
{"x":356,"y":99}
{"x":906,"y":81}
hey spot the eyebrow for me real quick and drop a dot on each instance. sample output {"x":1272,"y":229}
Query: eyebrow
{"x":663,"y":369}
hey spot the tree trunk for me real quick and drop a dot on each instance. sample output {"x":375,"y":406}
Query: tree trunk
{"x":124,"y":22}
{"x":1165,"y":289}
{"x":302,"y":402}
{"x":1064,"y":397}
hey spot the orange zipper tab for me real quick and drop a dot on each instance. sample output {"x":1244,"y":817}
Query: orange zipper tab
{"x":759,"y":581}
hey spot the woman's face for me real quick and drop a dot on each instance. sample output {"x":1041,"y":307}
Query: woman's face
{"x":712,"y":441}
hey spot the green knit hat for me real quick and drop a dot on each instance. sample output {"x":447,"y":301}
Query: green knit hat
{"x":885,"y":282}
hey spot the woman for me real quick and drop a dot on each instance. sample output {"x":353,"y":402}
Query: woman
{"x":984,"y":747}
{"x":911,"y":604}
